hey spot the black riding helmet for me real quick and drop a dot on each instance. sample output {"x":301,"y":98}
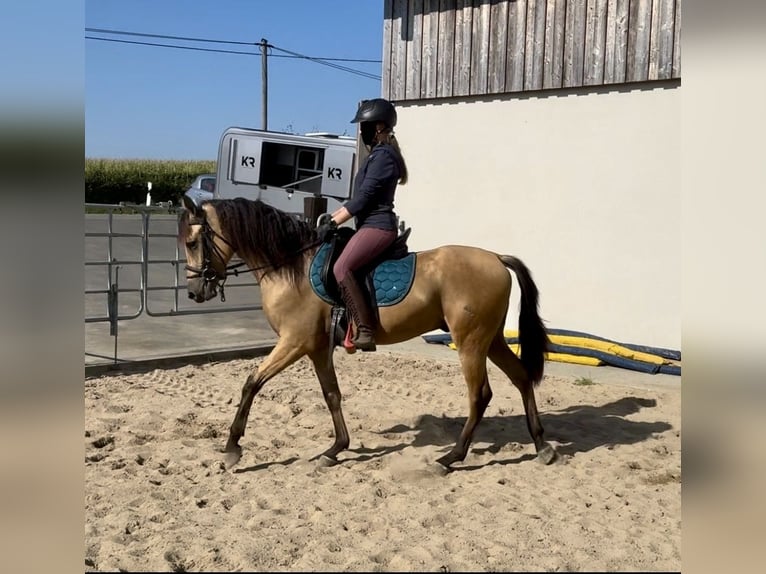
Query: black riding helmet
{"x":377,"y":110}
{"x":369,"y":113}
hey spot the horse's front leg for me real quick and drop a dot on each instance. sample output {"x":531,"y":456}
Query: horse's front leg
{"x":325,"y":371}
{"x":282,"y":356}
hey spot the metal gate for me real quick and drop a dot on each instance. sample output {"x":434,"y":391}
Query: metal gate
{"x":134,"y":267}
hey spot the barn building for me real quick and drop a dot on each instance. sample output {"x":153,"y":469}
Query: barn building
{"x":550,"y":130}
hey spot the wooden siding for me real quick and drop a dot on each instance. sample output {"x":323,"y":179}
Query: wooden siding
{"x":445,"y":48}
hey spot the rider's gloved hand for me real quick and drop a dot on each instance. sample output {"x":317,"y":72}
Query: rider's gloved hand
{"x":326,"y":230}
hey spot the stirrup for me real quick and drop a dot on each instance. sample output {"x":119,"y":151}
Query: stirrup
{"x":368,"y":345}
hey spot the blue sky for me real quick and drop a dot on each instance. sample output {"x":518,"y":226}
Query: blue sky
{"x":163,"y":103}
{"x":42,"y":68}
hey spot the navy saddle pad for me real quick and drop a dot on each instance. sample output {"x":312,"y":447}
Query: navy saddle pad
{"x":392,"y":278}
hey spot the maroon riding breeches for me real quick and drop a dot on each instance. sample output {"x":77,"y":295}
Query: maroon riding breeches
{"x":364,"y":246}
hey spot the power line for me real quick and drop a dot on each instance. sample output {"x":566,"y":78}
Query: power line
{"x":171,"y":46}
{"x":190,"y":39}
{"x":326,"y":63}
{"x":325,"y":59}
{"x":165,"y":37}
{"x":219,"y":51}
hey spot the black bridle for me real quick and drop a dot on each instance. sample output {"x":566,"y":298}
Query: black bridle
{"x":209,"y":274}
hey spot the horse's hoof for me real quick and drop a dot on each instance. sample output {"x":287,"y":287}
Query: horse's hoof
{"x":445,"y":462}
{"x":325,"y":461}
{"x":547,"y":454}
{"x":439,"y":469}
{"x":231,"y":457}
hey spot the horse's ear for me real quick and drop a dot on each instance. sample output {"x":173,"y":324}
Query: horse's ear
{"x":192,"y":206}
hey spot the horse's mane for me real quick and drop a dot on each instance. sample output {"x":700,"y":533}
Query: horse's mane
{"x":263,"y":235}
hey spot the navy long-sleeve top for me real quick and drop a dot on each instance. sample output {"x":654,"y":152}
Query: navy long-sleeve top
{"x":374,"y":186}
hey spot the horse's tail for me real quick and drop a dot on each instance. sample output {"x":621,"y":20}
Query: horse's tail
{"x":533,"y":339}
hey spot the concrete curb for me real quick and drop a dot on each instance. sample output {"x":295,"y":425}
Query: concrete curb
{"x":175,"y":361}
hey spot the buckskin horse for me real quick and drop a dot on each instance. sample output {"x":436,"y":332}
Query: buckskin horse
{"x":461,"y":289}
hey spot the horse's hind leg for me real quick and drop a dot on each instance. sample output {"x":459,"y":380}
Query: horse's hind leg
{"x":474,"y":365}
{"x":282,"y":356}
{"x":328,"y":380}
{"x":509,"y":363}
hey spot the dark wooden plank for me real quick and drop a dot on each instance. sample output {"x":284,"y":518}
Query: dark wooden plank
{"x":621,"y":39}
{"x":497,"y":47}
{"x":514,"y":63}
{"x":654,"y":41}
{"x":553,"y":72}
{"x":558,"y":60}
{"x":550,"y":30}
{"x":534,"y":51}
{"x":676,"y":70}
{"x":639,"y":29}
{"x":480,"y":47}
{"x":461,"y":83}
{"x":428,"y":75}
{"x":414,"y":48}
{"x":385,"y":81}
{"x":595,"y":38}
{"x":446,"y":48}
{"x":616,"y":41}
{"x":661,"y":53}
{"x":609,"y":42}
{"x":398,"y":50}
{"x":574,"y":43}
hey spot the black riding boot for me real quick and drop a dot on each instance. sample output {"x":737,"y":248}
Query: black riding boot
{"x":363,"y":316}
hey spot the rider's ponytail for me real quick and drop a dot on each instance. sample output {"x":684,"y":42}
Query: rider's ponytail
{"x":388,"y":137}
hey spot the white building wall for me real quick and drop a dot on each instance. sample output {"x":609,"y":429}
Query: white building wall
{"x":584,"y":188}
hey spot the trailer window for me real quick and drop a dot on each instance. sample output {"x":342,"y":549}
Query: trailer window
{"x":276,"y":164}
{"x":282,"y":165}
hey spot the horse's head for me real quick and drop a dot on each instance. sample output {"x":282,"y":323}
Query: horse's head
{"x":207,"y":250}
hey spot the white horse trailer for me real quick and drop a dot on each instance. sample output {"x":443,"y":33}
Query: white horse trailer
{"x":303,"y":175}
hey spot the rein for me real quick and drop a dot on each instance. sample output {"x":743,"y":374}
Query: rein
{"x":210,"y":275}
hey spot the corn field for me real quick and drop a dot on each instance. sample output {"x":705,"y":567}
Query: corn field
{"x":113,"y":181}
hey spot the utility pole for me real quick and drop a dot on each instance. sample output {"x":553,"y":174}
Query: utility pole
{"x":264,"y":85}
